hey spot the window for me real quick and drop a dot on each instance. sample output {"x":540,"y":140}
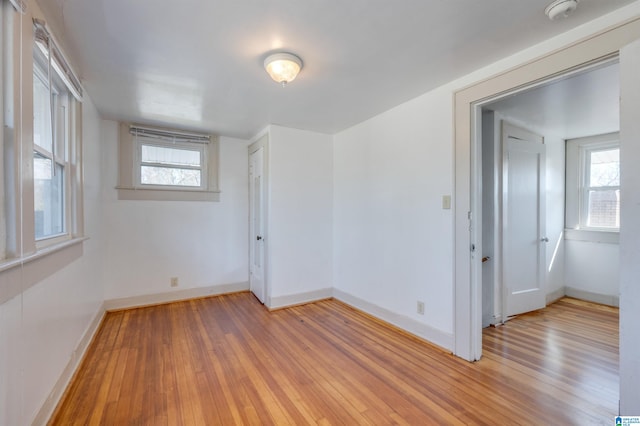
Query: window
{"x":601,"y":192}
{"x":166,"y":165}
{"x":41,"y":184}
{"x":56,"y":148}
{"x":593,"y":183}
{"x":50,"y":148}
{"x":161,"y":164}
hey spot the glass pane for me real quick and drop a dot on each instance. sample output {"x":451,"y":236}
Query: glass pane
{"x":605,"y":168}
{"x":150,"y":175}
{"x":48,"y":197}
{"x":604,"y":209}
{"x":41,"y":114}
{"x":170,"y":156}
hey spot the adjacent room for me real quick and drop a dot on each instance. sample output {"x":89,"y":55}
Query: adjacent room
{"x":319,"y":212}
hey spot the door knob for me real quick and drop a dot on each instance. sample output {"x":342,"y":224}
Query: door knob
{"x":259,"y":237}
{"x":544,"y":239}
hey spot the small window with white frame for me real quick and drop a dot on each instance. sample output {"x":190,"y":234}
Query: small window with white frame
{"x":163,"y":164}
{"x":593,"y":183}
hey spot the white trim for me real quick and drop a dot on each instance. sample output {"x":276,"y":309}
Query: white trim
{"x":603,"y":299}
{"x":45,"y":251}
{"x":58,"y":390}
{"x":156,"y":194}
{"x":605,"y":237}
{"x":25,"y":272}
{"x":288,"y":300}
{"x":173,"y":296}
{"x":555,"y":295}
{"x":421,"y":330}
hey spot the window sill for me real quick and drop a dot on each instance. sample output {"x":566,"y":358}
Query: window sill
{"x":606,"y":237}
{"x":166,"y":194}
{"x":40,"y":253}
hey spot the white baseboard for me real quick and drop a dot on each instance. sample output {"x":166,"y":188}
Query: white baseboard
{"x":437,"y":337}
{"x":173,"y":296}
{"x":555,"y":295}
{"x":50,"y":404}
{"x":603,"y":299}
{"x":299,"y":298}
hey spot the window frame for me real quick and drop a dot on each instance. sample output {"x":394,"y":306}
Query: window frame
{"x":578,"y":152}
{"x":62,"y":141}
{"x":21,"y":46}
{"x":130,"y":143}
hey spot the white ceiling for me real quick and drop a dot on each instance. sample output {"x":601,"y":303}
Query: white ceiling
{"x":585,"y":104}
{"x":198,"y":64}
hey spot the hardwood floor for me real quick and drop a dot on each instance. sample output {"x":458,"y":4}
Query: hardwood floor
{"x":226,"y":360}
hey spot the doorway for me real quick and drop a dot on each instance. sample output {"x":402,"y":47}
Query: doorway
{"x":526,"y":273}
{"x":467,"y":266}
{"x":257,"y":219}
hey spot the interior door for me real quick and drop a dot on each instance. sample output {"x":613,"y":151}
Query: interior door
{"x":256,"y":224}
{"x":523,"y":225}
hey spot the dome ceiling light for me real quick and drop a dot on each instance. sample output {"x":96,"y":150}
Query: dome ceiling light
{"x":560,"y":9}
{"x":283,"y":67}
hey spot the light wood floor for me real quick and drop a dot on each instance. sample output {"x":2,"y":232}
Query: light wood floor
{"x":226,"y":360}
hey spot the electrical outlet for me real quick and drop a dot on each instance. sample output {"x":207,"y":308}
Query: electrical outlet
{"x":174,"y":281}
{"x":420,"y":307}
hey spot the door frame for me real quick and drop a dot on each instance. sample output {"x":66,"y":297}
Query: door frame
{"x":467,"y":186}
{"x":261,"y":142}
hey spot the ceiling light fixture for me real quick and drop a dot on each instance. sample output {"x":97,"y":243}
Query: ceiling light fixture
{"x":560,"y":9}
{"x":283,"y":67}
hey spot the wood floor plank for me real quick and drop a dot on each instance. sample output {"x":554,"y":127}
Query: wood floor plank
{"x":226,"y":360}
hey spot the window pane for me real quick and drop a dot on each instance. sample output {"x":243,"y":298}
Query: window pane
{"x":41,"y":114}
{"x":170,"y":156}
{"x":605,"y":168}
{"x":604,"y":209}
{"x":150,"y":175}
{"x":48,"y":197}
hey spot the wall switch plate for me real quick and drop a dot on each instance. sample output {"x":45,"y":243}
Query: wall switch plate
{"x":174,"y":281}
{"x":446,"y":202}
{"x":420,"y":308}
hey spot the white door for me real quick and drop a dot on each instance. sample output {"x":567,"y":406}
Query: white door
{"x":523,"y":225}
{"x":256,"y":224}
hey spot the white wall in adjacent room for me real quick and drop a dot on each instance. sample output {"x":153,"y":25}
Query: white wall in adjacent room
{"x":203,"y":244}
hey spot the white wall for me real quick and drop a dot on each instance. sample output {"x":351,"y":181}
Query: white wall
{"x":203,"y":244}
{"x":300,"y":216}
{"x":392,"y":239}
{"x":593,"y":271}
{"x":630,"y":231}
{"x":43,"y":324}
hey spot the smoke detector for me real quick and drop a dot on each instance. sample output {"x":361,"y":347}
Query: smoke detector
{"x":560,"y":9}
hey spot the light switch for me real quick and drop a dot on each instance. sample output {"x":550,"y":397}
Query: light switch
{"x":446,"y":202}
